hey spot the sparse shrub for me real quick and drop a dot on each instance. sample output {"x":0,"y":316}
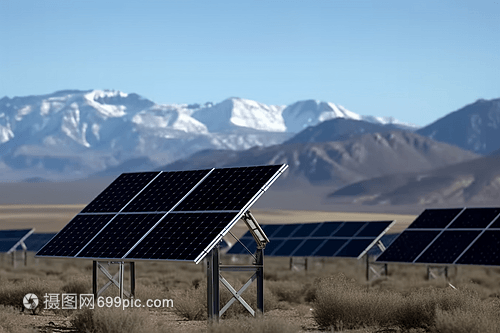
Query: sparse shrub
{"x":287,"y":291}
{"x":250,"y":325}
{"x":77,"y":285}
{"x":191,"y":304}
{"x":112,"y":320}
{"x":12,"y":293}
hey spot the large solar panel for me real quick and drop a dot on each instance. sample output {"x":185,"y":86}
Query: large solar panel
{"x":469,"y":236}
{"x":327,"y":239}
{"x":10,"y":240}
{"x":178,"y":215}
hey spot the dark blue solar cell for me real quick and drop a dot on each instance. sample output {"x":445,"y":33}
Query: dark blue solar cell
{"x":75,"y":235}
{"x":228,"y":188}
{"x":305,"y":229}
{"x":330,"y":247}
{"x":181,"y":236}
{"x":120,"y":192}
{"x":121,"y":233}
{"x":354,"y":248}
{"x":288,"y":247}
{"x":308,"y":248}
{"x":272,"y":246}
{"x":447,"y":247}
{"x":270,"y":229}
{"x":475,"y":218}
{"x":165,"y":191}
{"x":9,"y":238}
{"x":407,"y":246}
{"x":374,"y":229}
{"x":349,"y":229}
{"x":326,"y":229}
{"x":435,"y":218}
{"x":14,"y":234}
{"x":485,"y":250}
{"x":37,"y":240}
{"x":7,"y":244}
{"x":286,"y":231}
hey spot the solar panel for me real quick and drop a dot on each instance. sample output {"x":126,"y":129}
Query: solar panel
{"x":449,"y":236}
{"x":38,"y":240}
{"x":10,"y":240}
{"x":327,"y":239}
{"x":120,"y":192}
{"x":178,"y":215}
{"x":228,"y":189}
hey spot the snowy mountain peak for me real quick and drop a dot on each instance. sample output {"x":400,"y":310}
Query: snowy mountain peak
{"x":234,"y":113}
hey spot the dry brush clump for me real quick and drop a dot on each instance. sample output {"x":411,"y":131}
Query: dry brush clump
{"x":112,"y":320}
{"x":342,"y":304}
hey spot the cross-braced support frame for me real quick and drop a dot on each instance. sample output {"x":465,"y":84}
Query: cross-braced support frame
{"x":117,"y":279}
{"x":375,"y":270}
{"x":214,"y":276}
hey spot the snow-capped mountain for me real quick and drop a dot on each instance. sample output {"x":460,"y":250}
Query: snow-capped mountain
{"x":73,"y":133}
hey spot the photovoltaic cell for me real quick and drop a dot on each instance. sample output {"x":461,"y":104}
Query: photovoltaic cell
{"x":354,"y":247}
{"x":374,"y":229}
{"x":484,"y":251}
{"x":119,"y":235}
{"x":447,"y":247}
{"x":435,"y":218}
{"x":228,"y":189}
{"x":181,"y":236}
{"x":330,"y":247}
{"x":119,"y":192}
{"x":327,"y":229}
{"x":348,"y":229}
{"x":308,"y":247}
{"x":407,"y":246}
{"x":165,"y":191}
{"x":75,"y":235}
{"x":38,"y":240}
{"x":475,"y":218}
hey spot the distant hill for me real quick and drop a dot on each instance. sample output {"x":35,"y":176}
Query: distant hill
{"x":467,"y":183}
{"x":475,"y":127}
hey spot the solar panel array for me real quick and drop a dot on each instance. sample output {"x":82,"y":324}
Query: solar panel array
{"x":466,"y":236}
{"x":178,"y":215}
{"x":10,"y":240}
{"x":326,"y":239}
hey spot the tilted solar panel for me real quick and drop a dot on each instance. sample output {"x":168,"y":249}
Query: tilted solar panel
{"x":469,"y":237}
{"x":10,"y":240}
{"x":327,"y":239}
{"x":178,"y":215}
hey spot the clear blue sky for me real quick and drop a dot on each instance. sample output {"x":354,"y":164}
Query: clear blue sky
{"x":414,"y":60}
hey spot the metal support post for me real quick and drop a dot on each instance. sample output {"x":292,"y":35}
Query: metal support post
{"x":213,"y":300}
{"x":120,"y":278}
{"x":132,"y":279}
{"x":94,"y":278}
{"x":260,"y":279}
{"x":14,"y":259}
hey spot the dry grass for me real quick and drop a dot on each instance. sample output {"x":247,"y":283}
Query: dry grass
{"x":112,"y":320}
{"x":252,"y":325}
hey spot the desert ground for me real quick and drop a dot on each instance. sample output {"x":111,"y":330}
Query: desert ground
{"x":332,"y":295}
